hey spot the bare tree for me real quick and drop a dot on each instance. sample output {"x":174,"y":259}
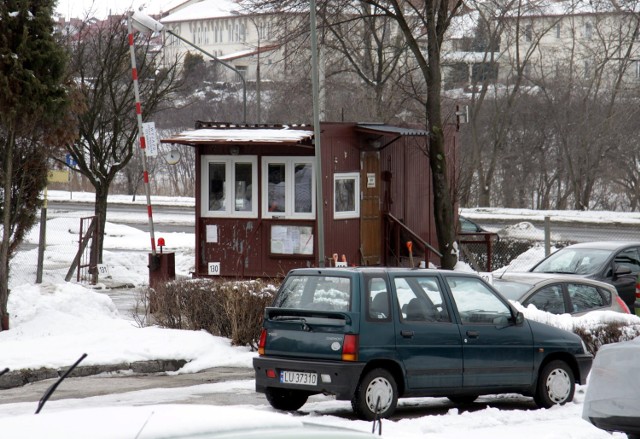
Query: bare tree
{"x":101,"y":67}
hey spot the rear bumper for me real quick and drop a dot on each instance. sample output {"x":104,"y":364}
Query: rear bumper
{"x":584,"y":366}
{"x":334,"y":377}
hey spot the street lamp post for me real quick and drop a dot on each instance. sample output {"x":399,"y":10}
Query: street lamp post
{"x":258,"y":72}
{"x":315,"y":86}
{"x":144,"y":23}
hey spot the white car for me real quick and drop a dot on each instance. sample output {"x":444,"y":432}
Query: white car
{"x":168,"y":421}
{"x":612,"y":401}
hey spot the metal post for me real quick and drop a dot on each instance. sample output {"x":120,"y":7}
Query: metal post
{"x":316,"y":133}
{"x":258,"y":75}
{"x":42,"y":242}
{"x":143,"y":146}
{"x":547,"y":236}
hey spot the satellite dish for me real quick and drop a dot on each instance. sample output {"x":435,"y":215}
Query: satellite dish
{"x":172,"y":157}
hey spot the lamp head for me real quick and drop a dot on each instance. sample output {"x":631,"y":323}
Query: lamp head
{"x":143,"y":23}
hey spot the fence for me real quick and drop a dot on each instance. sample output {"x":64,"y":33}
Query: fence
{"x":62,"y":234}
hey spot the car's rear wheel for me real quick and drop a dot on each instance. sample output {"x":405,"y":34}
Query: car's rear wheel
{"x":462,"y":399}
{"x":286,"y":399}
{"x":556,"y":385}
{"x":376,"y":395}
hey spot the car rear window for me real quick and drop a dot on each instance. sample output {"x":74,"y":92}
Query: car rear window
{"x":324,"y":293}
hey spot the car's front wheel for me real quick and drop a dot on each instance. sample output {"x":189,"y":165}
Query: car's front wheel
{"x":286,"y":399}
{"x":556,"y":385}
{"x":376,"y":395}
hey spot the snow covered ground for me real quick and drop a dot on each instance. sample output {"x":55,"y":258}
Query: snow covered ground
{"x":53,"y":323}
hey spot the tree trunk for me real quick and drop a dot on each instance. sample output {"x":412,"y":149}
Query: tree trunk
{"x":102,"y":192}
{"x":442,"y":200}
{"x":6,"y":230}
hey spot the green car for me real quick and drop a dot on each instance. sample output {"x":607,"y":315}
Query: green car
{"x":373,"y":335}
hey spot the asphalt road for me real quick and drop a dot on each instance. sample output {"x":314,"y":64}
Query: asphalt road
{"x":84,"y":387}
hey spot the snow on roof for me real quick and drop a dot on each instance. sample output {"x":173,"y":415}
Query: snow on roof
{"x":241,"y":135}
{"x":204,"y":10}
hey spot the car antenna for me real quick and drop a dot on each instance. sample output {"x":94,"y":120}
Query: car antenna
{"x":55,"y":385}
{"x":376,"y":420}
{"x":5,"y":370}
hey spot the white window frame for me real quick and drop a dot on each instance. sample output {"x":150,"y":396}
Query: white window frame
{"x":355,"y":176}
{"x":229,"y":191}
{"x":289,"y":199}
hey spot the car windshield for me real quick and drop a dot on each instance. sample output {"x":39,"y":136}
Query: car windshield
{"x":574,"y":261}
{"x":510,"y":289}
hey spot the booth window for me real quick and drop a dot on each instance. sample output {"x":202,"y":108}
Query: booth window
{"x":288,"y":187}
{"x":229,"y":188}
{"x":346,"y":195}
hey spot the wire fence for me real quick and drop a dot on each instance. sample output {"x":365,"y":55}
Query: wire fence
{"x":62,"y":238}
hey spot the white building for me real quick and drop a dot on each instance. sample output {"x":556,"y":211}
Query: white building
{"x":220,"y":28}
{"x":587,"y":40}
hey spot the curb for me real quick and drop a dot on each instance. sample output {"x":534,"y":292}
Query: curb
{"x":18,"y":378}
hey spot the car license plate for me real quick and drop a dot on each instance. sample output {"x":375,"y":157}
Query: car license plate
{"x":304,"y":378}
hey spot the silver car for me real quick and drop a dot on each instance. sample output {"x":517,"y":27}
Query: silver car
{"x":559,"y":294}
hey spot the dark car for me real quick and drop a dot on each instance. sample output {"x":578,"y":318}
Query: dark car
{"x":612,"y":400}
{"x":614,"y":262}
{"x":468,"y":226}
{"x":559,"y":294}
{"x":373,"y":335}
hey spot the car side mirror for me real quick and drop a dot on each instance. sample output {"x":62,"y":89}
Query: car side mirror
{"x":621,"y":270}
{"x":518,"y":319}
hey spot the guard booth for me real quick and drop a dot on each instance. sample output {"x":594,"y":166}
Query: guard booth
{"x":256,"y":196}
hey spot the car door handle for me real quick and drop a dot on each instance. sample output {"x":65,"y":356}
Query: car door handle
{"x":473,"y":334}
{"x":406,"y":333}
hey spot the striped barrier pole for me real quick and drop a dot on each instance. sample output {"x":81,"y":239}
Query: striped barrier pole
{"x":143,"y":145}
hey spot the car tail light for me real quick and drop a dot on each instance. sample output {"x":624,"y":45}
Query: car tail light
{"x":623,"y":305}
{"x":263,"y":342}
{"x":350,"y":348}
{"x":638,"y":287}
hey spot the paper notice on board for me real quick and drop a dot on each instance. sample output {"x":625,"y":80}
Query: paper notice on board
{"x":212,"y":233}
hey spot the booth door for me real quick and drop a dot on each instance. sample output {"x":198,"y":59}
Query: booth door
{"x":370,"y":218}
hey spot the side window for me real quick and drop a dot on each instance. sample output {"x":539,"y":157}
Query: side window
{"x":549,"y":299}
{"x":378,"y":299}
{"x":629,"y":258}
{"x":229,"y":186}
{"x":476,"y":302}
{"x":420,"y":300}
{"x":346,"y":195}
{"x":584,"y":297}
{"x":288,"y":187}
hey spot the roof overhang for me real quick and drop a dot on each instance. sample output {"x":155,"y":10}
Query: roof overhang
{"x":379,"y":134}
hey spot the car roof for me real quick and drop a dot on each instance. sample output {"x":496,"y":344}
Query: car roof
{"x":606,"y":245}
{"x":534,"y":278}
{"x":392,"y":270}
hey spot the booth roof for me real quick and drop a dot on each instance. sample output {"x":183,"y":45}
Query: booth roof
{"x":255,"y":135}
